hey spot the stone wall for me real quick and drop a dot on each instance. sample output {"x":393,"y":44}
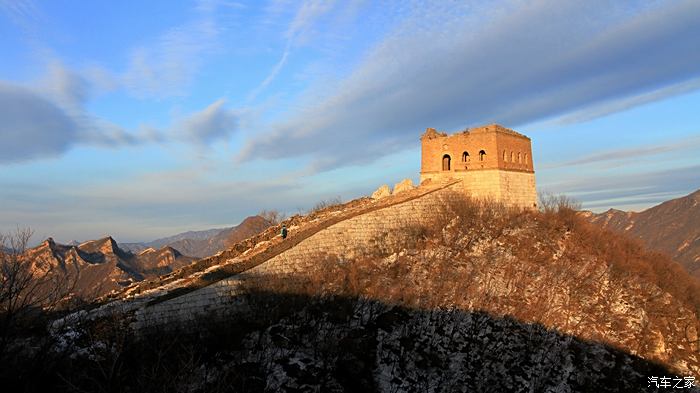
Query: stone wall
{"x":379,"y":230}
{"x":518,"y":189}
{"x":510,"y":187}
{"x":505,"y":173}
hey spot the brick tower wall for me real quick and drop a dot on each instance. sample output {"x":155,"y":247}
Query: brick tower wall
{"x":505,"y":173}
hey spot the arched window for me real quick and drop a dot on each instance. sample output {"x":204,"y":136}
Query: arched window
{"x":446,"y":162}
{"x":505,"y":156}
{"x":465,"y":156}
{"x":520,"y":161}
{"x":525,"y":158}
{"x":512,"y":157}
{"x":482,"y":155}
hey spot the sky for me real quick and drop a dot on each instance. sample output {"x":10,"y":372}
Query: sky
{"x":144,"y":119}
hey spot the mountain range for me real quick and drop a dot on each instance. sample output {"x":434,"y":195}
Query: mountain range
{"x":672,"y":227}
{"x":201,"y":244}
{"x":99,"y":266}
{"x":96,"y":267}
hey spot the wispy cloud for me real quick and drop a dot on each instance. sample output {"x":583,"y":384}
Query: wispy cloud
{"x":607,"y":191}
{"x":619,"y":105}
{"x":145,"y":206}
{"x":169,"y":64}
{"x":23,"y":13}
{"x":298,"y":31}
{"x":166,"y":65}
{"x":49,"y":117}
{"x":512,"y":64}
{"x":690,"y":143}
{"x":213,"y":123}
{"x":32,"y":126}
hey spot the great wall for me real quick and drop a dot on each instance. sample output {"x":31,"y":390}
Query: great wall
{"x":211,"y":284}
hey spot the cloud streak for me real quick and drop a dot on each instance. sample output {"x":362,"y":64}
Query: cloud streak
{"x":213,"y":123}
{"x":298,"y":31}
{"x":690,"y":143}
{"x":168,"y":66}
{"x":639,"y":188}
{"x":519,"y":63}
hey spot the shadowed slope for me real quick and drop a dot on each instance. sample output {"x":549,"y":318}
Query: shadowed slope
{"x":284,"y":342}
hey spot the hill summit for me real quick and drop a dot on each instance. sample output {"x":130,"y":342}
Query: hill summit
{"x":416,"y":287}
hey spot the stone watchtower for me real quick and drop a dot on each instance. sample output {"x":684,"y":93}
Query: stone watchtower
{"x":492,"y":161}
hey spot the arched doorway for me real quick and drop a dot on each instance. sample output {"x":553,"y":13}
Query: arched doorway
{"x":446,"y":162}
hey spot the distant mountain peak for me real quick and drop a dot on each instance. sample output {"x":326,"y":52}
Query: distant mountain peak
{"x":147,"y":251}
{"x":102,"y":264}
{"x":670,"y":227}
{"x":203,"y":243}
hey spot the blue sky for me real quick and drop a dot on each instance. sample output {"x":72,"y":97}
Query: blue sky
{"x":145,"y":119}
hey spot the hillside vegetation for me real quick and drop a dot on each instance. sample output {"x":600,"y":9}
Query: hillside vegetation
{"x":672,"y":227}
{"x":552,"y":268}
{"x":483,"y":298}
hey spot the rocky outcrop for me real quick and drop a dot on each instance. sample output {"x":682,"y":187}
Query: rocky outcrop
{"x":96,"y":267}
{"x":381,"y":192}
{"x":403,"y":185}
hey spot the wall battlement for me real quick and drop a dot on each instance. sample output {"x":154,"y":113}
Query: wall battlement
{"x":493,"y":162}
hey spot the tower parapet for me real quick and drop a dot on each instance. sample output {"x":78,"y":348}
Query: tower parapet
{"x":492,"y":161}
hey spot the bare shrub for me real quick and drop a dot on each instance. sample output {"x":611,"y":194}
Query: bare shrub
{"x":325,"y":204}
{"x":560,"y":206}
{"x":555,"y":203}
{"x":26,"y":293}
{"x":274,"y":217}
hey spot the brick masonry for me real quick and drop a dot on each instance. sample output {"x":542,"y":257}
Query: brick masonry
{"x":493,"y":162}
{"x":379,"y":230}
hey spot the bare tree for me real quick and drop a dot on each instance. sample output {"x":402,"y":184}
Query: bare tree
{"x":554,"y":203}
{"x":326,"y":203}
{"x":274,"y":217}
{"x":24,"y":289}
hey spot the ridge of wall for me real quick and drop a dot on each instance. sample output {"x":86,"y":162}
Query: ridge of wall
{"x":351,"y":238}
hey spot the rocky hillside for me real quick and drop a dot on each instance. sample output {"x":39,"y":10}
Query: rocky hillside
{"x":202,"y":244}
{"x":99,"y":266}
{"x":422,"y":291}
{"x":672,"y":227}
{"x":556,"y":271}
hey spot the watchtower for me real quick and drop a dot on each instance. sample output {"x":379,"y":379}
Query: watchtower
{"x":492,"y":161}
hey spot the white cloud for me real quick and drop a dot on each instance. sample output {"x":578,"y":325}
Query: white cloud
{"x":601,"y":191}
{"x":513,"y":64}
{"x":49,"y":117}
{"x":168,"y":65}
{"x":32,"y":126}
{"x":634,"y":153}
{"x":299,"y":31}
{"x":209,"y":125}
